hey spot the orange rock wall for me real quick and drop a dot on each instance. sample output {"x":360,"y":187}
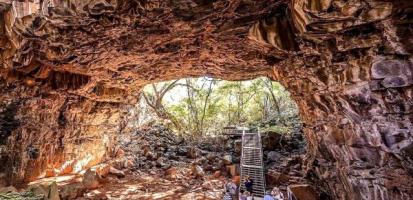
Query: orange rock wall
{"x":70,"y":68}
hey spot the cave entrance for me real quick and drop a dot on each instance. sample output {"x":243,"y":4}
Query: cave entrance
{"x":195,"y":112}
{"x":205,"y":106}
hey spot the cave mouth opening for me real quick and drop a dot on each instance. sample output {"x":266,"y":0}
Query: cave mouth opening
{"x":204,"y":106}
{"x":201,"y":110}
{"x":207,"y":107}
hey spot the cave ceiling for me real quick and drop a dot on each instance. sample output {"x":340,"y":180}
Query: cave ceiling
{"x":91,"y":47}
{"x":107,"y":50}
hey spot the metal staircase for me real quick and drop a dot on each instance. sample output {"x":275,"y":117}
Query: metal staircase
{"x":252,"y":163}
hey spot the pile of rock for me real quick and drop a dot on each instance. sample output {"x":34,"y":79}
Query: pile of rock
{"x":285,"y":170}
{"x":155,"y":148}
{"x":284,"y":157}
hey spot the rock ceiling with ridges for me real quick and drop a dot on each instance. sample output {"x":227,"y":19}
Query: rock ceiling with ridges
{"x":107,"y":50}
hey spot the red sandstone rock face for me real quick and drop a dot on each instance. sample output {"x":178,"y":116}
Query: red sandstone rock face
{"x":70,"y":68}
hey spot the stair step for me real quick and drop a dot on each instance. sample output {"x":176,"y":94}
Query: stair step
{"x":252,"y":162}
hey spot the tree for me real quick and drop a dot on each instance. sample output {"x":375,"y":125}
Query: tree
{"x":154,"y":100}
{"x":204,"y":105}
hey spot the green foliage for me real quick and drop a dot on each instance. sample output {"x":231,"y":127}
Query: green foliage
{"x":202,"y":106}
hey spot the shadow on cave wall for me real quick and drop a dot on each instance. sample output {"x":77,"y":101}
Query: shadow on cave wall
{"x":8,"y":122}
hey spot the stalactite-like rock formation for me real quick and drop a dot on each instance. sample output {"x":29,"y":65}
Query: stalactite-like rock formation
{"x":70,"y":70}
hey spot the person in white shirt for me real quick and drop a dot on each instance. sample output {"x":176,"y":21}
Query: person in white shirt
{"x":227,"y":196}
{"x":249,"y":195}
{"x":232,"y":188}
{"x":268,"y":196}
{"x":242,"y":195}
{"x":277,"y":194}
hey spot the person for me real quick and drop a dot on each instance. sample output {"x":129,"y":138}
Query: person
{"x":277,"y":194}
{"x":242,"y":195}
{"x":250,"y":196}
{"x":268,"y":196}
{"x":232,"y":188}
{"x":227,"y":195}
{"x":248,"y":184}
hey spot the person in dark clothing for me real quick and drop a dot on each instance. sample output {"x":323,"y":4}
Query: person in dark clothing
{"x":248,"y":184}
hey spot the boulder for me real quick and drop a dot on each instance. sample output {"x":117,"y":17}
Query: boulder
{"x":102,"y":170}
{"x":238,"y":146}
{"x":8,"y":189}
{"x":116,"y":172}
{"x":197,"y":171}
{"x":128,"y":163}
{"x":163,"y":162}
{"x":39,"y":190}
{"x":273,"y":156}
{"x":388,"y":68}
{"x":72,"y":190}
{"x":53,"y":192}
{"x":172,"y":149}
{"x":208,"y":168}
{"x":171,"y":173}
{"x":120,"y":153}
{"x":408,"y":150}
{"x":218,"y":165}
{"x":119,"y":163}
{"x":192,"y":153}
{"x":90,"y":179}
{"x":210,"y":157}
{"x":151,"y":156}
{"x":277,"y":178}
{"x":182,"y":151}
{"x":217,"y":174}
{"x":303,"y":192}
{"x":397,"y":81}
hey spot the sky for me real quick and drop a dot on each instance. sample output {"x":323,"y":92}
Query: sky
{"x":178,"y":93}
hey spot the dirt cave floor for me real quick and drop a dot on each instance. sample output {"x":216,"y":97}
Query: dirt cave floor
{"x":154,"y":163}
{"x":176,"y":185}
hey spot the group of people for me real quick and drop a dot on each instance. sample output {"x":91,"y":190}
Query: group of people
{"x":231,"y":191}
{"x":274,"y":194}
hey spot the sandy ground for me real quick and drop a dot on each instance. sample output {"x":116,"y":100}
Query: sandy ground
{"x":154,"y":187}
{"x":142,"y":186}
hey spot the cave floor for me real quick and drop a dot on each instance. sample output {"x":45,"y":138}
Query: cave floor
{"x":153,"y":187}
{"x":141,"y":185}
{"x":154,"y":164}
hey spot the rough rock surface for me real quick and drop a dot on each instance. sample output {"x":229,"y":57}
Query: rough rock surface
{"x":71,"y":68}
{"x":156,"y":149}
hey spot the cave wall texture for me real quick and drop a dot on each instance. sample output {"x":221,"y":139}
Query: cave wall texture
{"x":71,"y":69}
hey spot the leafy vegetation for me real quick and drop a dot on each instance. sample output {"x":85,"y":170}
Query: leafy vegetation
{"x":203,"y":106}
